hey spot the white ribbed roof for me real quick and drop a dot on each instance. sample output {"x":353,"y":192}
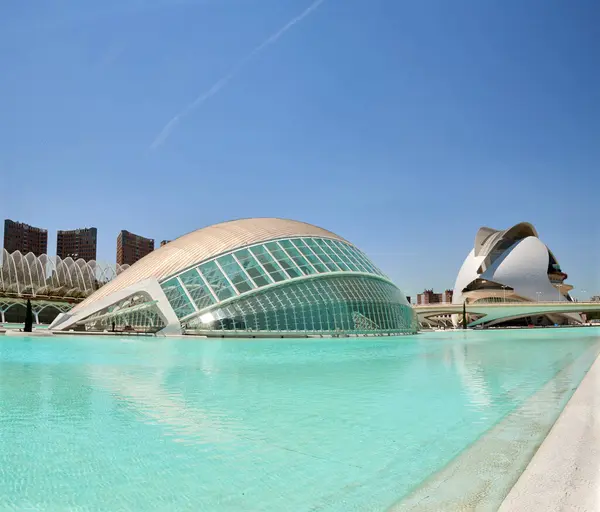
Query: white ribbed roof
{"x":487,"y":238}
{"x":204,"y":244}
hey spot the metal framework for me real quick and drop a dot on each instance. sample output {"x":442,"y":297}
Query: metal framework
{"x":137,"y":312}
{"x":50,"y":276}
{"x":13,"y":309}
{"x":251,"y":276}
{"x":303,"y":284}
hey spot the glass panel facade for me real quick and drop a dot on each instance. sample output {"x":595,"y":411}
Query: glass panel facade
{"x":309,"y":255}
{"x":245,"y":270}
{"x":286,"y":263}
{"x":269,"y":264}
{"x":235,"y":273}
{"x":197,"y":288}
{"x":216,"y":280}
{"x":366,"y":262}
{"x":349,"y":304}
{"x":177,"y":298}
{"x":297,"y":257}
{"x":338,"y":259}
{"x":254,"y":270}
{"x":346,"y":253}
{"x":316,"y":248}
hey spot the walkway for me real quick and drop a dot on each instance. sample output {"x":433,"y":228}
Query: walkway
{"x":505,"y":310}
{"x":564,"y":474}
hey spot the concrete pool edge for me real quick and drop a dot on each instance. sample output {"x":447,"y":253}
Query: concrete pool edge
{"x":480,"y":477}
{"x":564,"y":473}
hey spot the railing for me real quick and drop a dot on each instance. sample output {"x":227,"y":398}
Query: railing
{"x":507,"y":302}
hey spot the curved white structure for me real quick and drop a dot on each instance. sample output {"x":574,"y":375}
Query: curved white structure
{"x":263,"y":275}
{"x":203,"y":244}
{"x":50,"y":276}
{"x":512,"y":265}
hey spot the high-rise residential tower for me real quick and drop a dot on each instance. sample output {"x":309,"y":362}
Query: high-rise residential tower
{"x":25,"y":238}
{"x":132,"y":247}
{"x":77,"y":243}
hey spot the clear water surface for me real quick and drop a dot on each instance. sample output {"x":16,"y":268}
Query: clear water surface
{"x":103,"y":423}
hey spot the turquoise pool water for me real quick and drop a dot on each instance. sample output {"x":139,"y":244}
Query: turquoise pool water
{"x":102,"y":423}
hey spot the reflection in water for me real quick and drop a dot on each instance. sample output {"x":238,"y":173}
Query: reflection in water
{"x":145,"y":394}
{"x":289,"y":425}
{"x":187,"y":422}
{"x":472,"y":376}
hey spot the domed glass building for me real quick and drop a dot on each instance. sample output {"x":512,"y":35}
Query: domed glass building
{"x":250,"y":277}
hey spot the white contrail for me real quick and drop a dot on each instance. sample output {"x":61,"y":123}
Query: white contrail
{"x":219,"y":84}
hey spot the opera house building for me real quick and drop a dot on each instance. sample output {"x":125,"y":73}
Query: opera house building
{"x":513,"y":265}
{"x":257,"y":277}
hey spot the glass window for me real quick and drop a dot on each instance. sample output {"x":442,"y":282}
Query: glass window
{"x":236,"y":274}
{"x":299,"y":260}
{"x":216,"y":280}
{"x":365,"y":261}
{"x":254,"y":270}
{"x":286,"y":263}
{"x":309,"y":255}
{"x":336,"y":256}
{"x":267,"y":261}
{"x":351,"y":261}
{"x":321,"y":254}
{"x":303,"y":263}
{"x":197,"y":288}
{"x":177,"y":298}
{"x":360,"y":259}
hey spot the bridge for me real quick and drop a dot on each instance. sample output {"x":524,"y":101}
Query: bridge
{"x":45,"y":309}
{"x":490,"y":313}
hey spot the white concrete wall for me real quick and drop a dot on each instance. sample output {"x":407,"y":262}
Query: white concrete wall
{"x":150,"y":286}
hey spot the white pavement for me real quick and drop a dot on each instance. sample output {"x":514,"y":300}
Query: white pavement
{"x":564,"y":474}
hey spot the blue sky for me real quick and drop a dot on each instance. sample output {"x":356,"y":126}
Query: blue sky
{"x":404,"y":126}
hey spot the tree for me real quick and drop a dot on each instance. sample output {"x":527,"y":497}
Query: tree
{"x":464,"y":318}
{"x":28,"y":318}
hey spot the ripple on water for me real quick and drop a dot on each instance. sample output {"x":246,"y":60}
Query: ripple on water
{"x":346,"y":424}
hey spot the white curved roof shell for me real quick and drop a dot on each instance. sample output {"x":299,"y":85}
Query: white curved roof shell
{"x":487,"y":238}
{"x":523,"y":268}
{"x":521,"y":264}
{"x":203,"y":244}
